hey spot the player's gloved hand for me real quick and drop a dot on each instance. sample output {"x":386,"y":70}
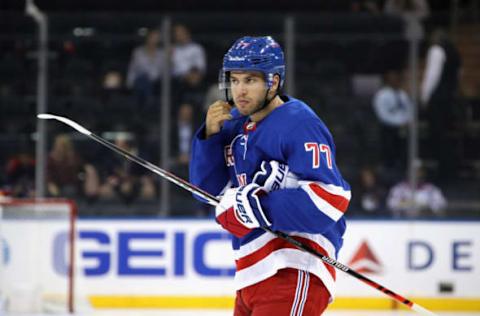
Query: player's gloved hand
{"x":272,"y":176}
{"x":240,"y":211}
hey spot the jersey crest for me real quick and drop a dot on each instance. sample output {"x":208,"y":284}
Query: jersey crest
{"x":228,"y":153}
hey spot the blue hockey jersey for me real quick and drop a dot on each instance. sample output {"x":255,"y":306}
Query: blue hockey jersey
{"x":311,"y":212}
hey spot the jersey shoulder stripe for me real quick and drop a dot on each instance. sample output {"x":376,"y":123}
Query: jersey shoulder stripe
{"x":331,"y":204}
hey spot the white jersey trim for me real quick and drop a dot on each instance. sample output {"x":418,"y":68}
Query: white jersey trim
{"x":322,"y":205}
{"x":330,"y":188}
{"x":281,"y":259}
{"x":262,"y":240}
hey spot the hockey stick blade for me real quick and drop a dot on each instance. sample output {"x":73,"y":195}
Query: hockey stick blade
{"x":213,"y":200}
{"x":78,"y":127}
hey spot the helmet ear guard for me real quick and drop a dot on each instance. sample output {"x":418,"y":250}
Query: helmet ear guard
{"x":224,"y":80}
{"x":225,"y":85}
{"x":280,"y":82}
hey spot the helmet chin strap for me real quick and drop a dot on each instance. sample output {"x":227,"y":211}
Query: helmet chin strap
{"x":228,"y":99}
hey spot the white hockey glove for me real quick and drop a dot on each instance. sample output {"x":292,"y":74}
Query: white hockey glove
{"x":240,"y":211}
{"x":274,"y":176}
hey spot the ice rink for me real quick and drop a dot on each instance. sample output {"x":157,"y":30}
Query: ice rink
{"x":137,"y":312}
{"x":229,"y":313}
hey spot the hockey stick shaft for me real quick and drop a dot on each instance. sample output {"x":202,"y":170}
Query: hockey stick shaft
{"x":214,"y":201}
{"x":144,"y":163}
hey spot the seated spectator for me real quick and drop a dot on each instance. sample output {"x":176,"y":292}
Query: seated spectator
{"x":370,"y":197}
{"x":182,"y":137}
{"x":20,"y":175}
{"x":185,"y":128}
{"x":145,"y":69}
{"x":67,"y":175}
{"x":91,"y":182}
{"x":369,"y":6}
{"x":426,"y":200}
{"x":393,"y":109}
{"x":125,"y":179}
{"x":186,"y":54}
{"x":191,"y":89}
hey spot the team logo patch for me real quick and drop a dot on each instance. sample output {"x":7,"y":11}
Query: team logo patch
{"x":249,"y":127}
{"x":228,"y":153}
{"x":242,"y":45}
{"x":242,"y":179}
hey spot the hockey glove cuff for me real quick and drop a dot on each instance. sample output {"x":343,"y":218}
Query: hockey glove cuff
{"x":240,"y":210}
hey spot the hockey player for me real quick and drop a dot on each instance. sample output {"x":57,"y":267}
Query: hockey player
{"x":273,"y":162}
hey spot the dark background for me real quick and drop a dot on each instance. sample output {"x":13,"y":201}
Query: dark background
{"x":199,"y":6}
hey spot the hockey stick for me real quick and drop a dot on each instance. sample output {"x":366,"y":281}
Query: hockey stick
{"x":214,"y":201}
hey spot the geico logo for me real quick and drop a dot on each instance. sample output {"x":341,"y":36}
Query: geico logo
{"x":128,"y":253}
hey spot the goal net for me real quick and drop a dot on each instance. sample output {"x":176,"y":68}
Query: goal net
{"x":37,"y":255}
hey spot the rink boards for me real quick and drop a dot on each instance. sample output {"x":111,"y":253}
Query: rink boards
{"x":153,"y":263}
